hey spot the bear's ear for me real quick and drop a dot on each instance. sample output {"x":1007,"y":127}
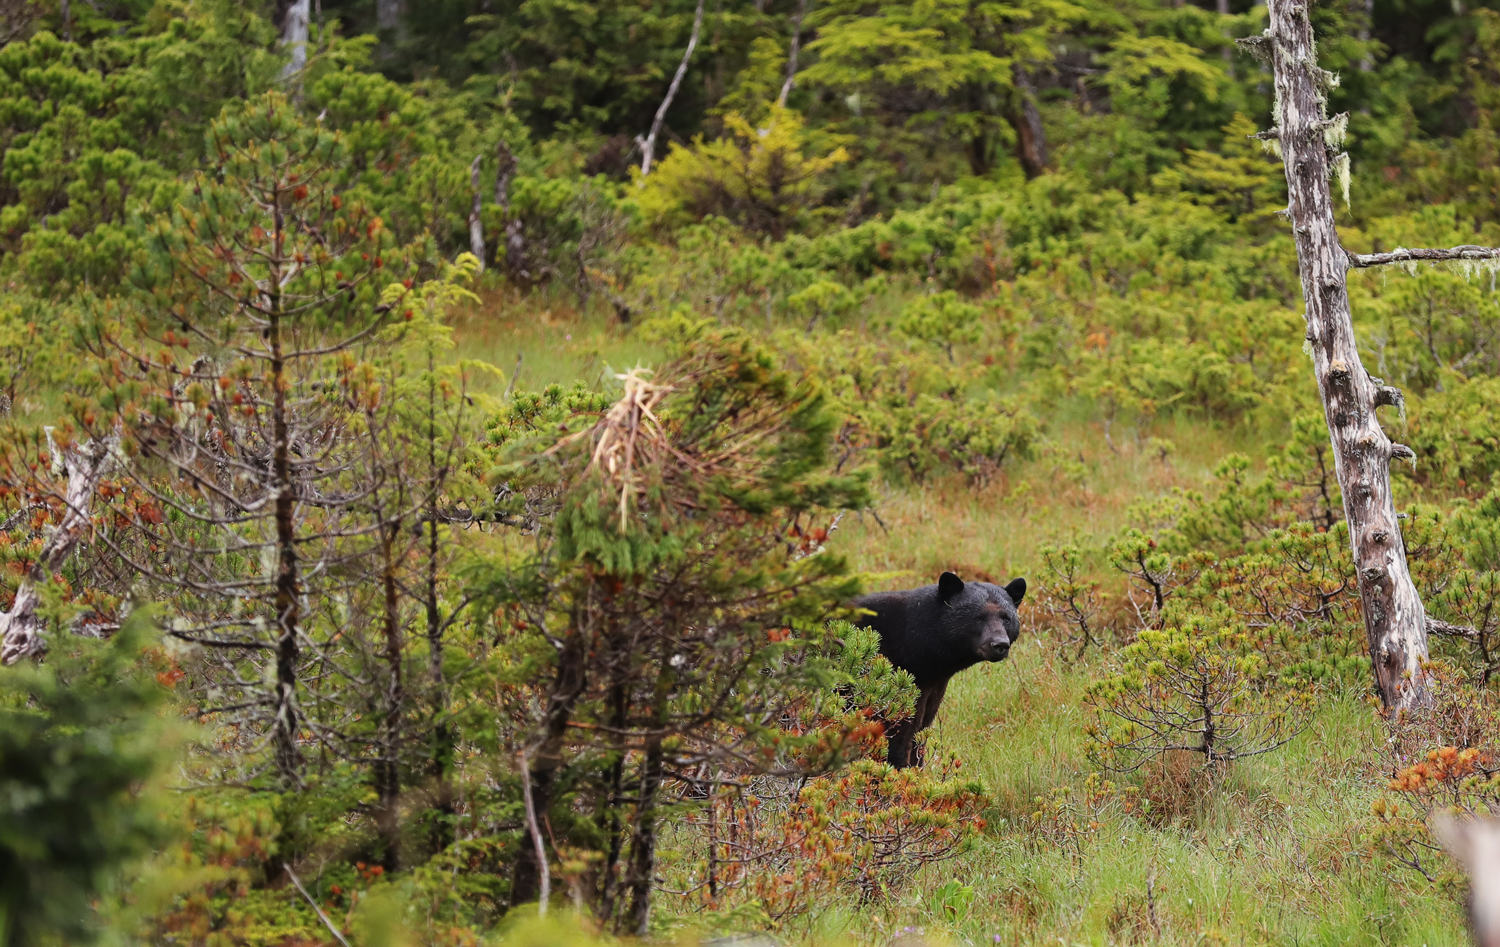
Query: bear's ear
{"x":949,"y":585}
{"x":1016,"y":590}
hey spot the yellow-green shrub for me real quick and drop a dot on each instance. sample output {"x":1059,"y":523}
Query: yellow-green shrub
{"x":762,"y":178}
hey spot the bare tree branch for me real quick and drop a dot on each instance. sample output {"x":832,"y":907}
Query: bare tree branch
{"x":791,"y":59}
{"x":648,"y":144}
{"x":1402,"y":255}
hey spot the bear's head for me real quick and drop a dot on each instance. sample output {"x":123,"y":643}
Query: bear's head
{"x":982,"y":614}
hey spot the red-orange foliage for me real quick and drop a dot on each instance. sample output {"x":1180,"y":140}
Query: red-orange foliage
{"x":864,"y":833}
{"x":1456,"y":777}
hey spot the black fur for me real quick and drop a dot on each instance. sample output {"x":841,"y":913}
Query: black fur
{"x":936,"y":631}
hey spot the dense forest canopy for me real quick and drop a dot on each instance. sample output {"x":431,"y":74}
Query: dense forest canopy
{"x":359,"y":589}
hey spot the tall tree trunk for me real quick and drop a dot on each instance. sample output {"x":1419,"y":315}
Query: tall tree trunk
{"x":1366,"y":21}
{"x":1027,"y":121}
{"x":648,"y":144}
{"x":1223,"y":10}
{"x":791,"y":59}
{"x":388,"y":765}
{"x":390,"y":15}
{"x":609,"y":893}
{"x":642,"y":874}
{"x":514,"y":246}
{"x":1395,"y":622}
{"x":294,"y":38}
{"x":288,"y":755}
{"x":441,"y":763}
{"x":547,"y":758}
{"x":476,"y":225}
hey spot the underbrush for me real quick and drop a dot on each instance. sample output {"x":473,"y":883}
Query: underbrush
{"x":1279,"y":850}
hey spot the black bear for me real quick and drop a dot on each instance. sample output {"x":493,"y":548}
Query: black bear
{"x":933,"y":633}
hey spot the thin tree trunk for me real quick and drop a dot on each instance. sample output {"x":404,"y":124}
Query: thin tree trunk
{"x":1366,"y":64}
{"x":1223,"y":9}
{"x":294,"y":39}
{"x":388,"y":766}
{"x":648,"y":145}
{"x":514,"y":246}
{"x":791,"y":59}
{"x":538,"y":848}
{"x":389,"y":15}
{"x":618,"y":699}
{"x":288,"y":756}
{"x":547,"y":758}
{"x":1027,"y":122}
{"x":441,"y":765}
{"x":1395,"y":622}
{"x":642,"y":874}
{"x":505,"y":168}
{"x":476,"y":226}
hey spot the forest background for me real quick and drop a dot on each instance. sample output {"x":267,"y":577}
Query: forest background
{"x":999,"y":288}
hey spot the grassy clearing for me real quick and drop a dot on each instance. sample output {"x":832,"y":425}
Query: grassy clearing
{"x":1079,"y":490}
{"x":555,"y":341}
{"x":1274,"y":854}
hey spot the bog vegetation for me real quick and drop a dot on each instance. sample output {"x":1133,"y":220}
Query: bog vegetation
{"x":441,"y":441}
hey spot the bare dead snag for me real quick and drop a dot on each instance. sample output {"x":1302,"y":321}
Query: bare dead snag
{"x":1030,"y":136}
{"x":476,"y":225}
{"x":1395,"y":621}
{"x":390,"y":15}
{"x":514,"y":247}
{"x":545,"y":888}
{"x":20,"y":628}
{"x":648,"y":144}
{"x":791,"y":59}
{"x":294,"y":39}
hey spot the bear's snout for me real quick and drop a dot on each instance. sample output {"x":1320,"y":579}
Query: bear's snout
{"x":995,"y":648}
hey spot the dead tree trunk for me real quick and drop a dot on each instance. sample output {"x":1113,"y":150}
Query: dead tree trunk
{"x":1395,"y":623}
{"x":514,"y":246}
{"x":648,"y":144}
{"x":476,"y":223}
{"x":1031,"y":139}
{"x":86,"y":465}
{"x":390,"y":15}
{"x":294,"y":39}
{"x":791,"y":59}
{"x":544,"y":761}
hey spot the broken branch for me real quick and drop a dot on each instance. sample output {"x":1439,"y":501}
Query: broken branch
{"x":1403,"y":255}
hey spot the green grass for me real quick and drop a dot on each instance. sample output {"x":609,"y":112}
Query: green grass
{"x":1078,"y":490}
{"x":1272,"y":854}
{"x":555,"y":342}
{"x":1275,"y":854}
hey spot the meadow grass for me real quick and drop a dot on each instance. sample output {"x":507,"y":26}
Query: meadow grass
{"x":556,"y":341}
{"x":1274,"y":852}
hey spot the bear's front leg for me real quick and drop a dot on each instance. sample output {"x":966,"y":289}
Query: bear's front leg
{"x":898,"y":743}
{"x":929,"y":702}
{"x":900,"y":739}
